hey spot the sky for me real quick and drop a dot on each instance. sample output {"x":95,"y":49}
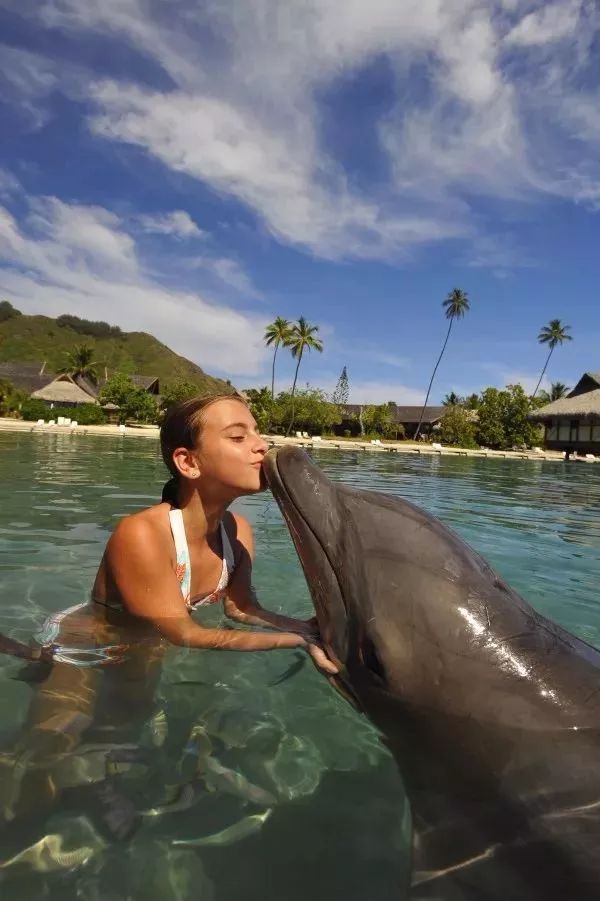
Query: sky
{"x":195,"y":169}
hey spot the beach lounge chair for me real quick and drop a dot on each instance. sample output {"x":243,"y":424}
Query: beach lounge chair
{"x":305,"y":435}
{"x":590,"y":457}
{"x":51,"y":422}
{"x":73,"y":423}
{"x":317,"y":438}
{"x":298,"y":434}
{"x":41,"y":422}
{"x":436,"y":446}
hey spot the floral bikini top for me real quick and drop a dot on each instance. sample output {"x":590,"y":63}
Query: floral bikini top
{"x":184,"y":567}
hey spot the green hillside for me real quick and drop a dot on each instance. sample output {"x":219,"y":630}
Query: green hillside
{"x":33,"y":339}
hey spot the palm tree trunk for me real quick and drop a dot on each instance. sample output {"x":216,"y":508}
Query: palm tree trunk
{"x":542,"y":375}
{"x":293,"y":393}
{"x":273,"y":373}
{"x":432,"y":378}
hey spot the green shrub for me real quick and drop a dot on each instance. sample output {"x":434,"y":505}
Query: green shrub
{"x":33,"y":410}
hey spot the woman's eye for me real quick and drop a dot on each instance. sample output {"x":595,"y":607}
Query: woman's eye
{"x":237,"y":437}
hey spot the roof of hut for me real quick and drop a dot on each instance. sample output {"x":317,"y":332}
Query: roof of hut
{"x":145,"y":381}
{"x":63,"y":390}
{"x":26,"y":376}
{"x":587,"y":404}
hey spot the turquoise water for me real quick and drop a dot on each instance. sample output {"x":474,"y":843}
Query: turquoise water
{"x":300,"y":800}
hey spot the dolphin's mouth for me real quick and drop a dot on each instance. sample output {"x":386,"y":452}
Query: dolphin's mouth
{"x":294,"y":499}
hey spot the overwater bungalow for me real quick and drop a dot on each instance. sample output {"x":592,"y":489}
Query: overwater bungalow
{"x":572,"y":424}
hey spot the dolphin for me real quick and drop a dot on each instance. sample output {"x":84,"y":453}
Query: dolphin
{"x":491,"y":711}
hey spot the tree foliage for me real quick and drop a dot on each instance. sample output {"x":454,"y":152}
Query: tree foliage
{"x":80,"y":362}
{"x":457,"y":427}
{"x":97,"y":329}
{"x":455,"y":306}
{"x":11,"y":398}
{"x":302,"y":338}
{"x":133,"y":402}
{"x":553,"y":334}
{"x":261,"y":405}
{"x":7,"y":311}
{"x":502,"y":418}
{"x":313,"y":412}
{"x":277,"y":332}
{"x":178,"y":390}
{"x":342,"y":389}
{"x":379,"y":420}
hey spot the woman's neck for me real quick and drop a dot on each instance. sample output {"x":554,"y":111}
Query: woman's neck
{"x":201,"y":515}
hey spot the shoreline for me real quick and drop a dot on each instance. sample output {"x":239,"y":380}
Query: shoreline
{"x":341,"y":444}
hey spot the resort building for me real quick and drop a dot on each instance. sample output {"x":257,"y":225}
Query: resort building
{"x":65,"y":390}
{"x":405,"y":417}
{"x":572,"y":424}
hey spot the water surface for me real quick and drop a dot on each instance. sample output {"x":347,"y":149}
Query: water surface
{"x":335,"y":824}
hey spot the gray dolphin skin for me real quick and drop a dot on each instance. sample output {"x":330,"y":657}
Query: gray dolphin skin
{"x":491,"y":711}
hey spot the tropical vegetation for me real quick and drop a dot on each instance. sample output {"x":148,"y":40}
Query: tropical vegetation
{"x":81,"y":364}
{"x":456,"y":306}
{"x":277,"y":332}
{"x":553,"y":335}
{"x":132,"y":402}
{"x":302,"y":338}
{"x":38,"y":339}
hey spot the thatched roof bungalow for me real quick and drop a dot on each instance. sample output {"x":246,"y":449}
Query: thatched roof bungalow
{"x":63,"y":391}
{"x":572,"y":424}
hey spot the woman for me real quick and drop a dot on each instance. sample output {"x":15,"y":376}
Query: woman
{"x":159,"y":566}
{"x":189,"y":550}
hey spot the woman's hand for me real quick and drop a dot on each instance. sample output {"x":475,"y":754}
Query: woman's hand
{"x":320,"y":659}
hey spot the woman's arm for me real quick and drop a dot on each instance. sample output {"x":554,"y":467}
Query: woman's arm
{"x":141,"y":570}
{"x":241,"y":603}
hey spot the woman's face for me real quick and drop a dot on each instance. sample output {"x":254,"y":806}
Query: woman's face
{"x":231,"y":450}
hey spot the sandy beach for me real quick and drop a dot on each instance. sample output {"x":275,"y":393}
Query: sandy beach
{"x":341,"y":444}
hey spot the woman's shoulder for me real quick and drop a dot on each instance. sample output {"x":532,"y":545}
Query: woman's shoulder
{"x":150,"y":526}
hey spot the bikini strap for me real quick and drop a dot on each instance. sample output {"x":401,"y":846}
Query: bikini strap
{"x":184,"y":568}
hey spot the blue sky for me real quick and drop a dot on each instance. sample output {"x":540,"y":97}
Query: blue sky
{"x":194,"y":169}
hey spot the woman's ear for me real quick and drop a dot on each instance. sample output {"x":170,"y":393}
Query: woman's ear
{"x":186,"y":463}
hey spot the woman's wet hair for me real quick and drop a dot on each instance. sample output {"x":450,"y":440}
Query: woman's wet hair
{"x":182,"y":427}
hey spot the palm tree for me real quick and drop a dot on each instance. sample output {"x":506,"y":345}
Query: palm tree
{"x":552,"y":334}
{"x":451,"y":400}
{"x":456,"y":305}
{"x":302,"y":338}
{"x":276,"y":333}
{"x":81,"y":363}
{"x":557,"y":390}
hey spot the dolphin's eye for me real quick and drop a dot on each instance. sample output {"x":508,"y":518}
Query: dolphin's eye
{"x":371,"y":660}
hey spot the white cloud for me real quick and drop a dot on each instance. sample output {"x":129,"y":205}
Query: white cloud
{"x":9,"y":184}
{"x":493,"y":100}
{"x":177,"y":224}
{"x":29,"y":78}
{"x":75,"y":259}
{"x":552,"y":22}
{"x":272,"y":172}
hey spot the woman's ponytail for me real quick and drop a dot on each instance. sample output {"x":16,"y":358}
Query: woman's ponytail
{"x":169,"y":492}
